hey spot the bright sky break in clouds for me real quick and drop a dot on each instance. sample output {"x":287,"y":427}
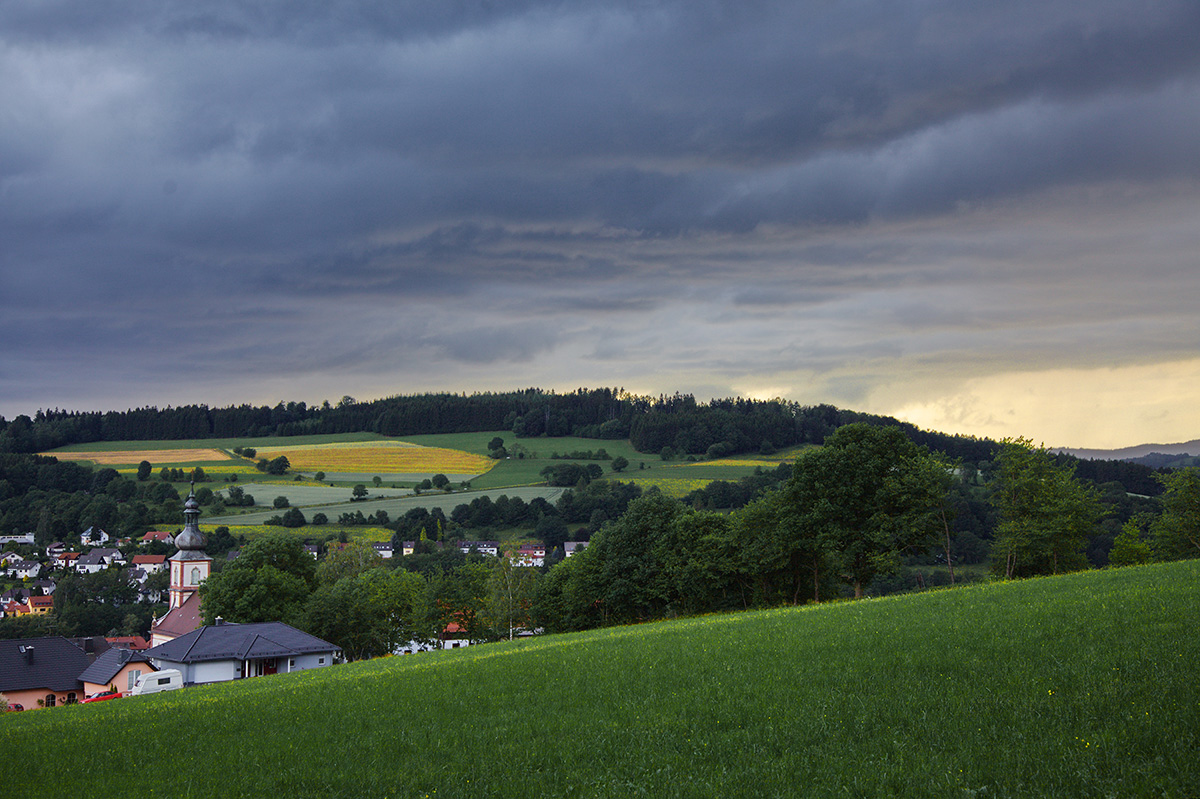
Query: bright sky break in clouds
{"x":981,"y":217}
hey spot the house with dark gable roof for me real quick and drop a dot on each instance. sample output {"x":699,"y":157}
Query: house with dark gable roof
{"x":41,"y":672}
{"x":117,"y":669}
{"x":226,"y":651}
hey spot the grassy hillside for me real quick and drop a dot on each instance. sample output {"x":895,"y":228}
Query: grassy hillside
{"x":1079,"y":686}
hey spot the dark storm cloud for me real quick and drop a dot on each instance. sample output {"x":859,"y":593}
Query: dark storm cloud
{"x":296,"y":190}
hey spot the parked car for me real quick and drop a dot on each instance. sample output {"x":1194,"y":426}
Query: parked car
{"x":100,"y":696}
{"x":156,"y":681}
{"x":15,"y":706}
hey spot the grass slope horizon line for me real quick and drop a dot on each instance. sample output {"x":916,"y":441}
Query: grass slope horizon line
{"x":1081,"y":684}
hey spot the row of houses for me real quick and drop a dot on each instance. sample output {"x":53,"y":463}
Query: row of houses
{"x":98,"y":559}
{"x":28,"y":605}
{"x":53,"y":671}
{"x":96,"y":536}
{"x":533,"y":554}
{"x":15,"y":565}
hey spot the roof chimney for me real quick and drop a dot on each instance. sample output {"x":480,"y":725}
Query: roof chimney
{"x":219,"y":622}
{"x":27,"y":651}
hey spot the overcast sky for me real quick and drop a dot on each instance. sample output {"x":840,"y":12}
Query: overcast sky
{"x":982,"y":217}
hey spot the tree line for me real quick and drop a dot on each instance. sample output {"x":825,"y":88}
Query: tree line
{"x":846,"y":517}
{"x":849,"y":515}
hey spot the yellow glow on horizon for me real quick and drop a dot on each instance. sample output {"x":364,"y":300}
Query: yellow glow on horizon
{"x":1105,"y":408}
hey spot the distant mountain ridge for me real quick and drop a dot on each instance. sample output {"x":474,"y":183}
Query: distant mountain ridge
{"x":1135,"y":453}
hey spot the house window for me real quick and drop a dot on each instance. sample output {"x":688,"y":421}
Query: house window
{"x":133,"y":678}
{"x":50,"y":700}
{"x":291,"y":663}
{"x":320,"y":661}
{"x":70,"y":698}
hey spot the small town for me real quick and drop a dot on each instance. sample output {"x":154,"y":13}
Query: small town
{"x":180,"y":651}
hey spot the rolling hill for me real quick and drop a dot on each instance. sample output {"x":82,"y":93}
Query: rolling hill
{"x":1083,"y":685}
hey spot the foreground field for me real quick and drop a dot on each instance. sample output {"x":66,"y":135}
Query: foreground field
{"x":1080,"y":686}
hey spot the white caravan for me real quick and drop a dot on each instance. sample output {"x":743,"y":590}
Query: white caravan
{"x":155,"y":681}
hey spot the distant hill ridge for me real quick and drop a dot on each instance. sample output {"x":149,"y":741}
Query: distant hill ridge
{"x":1135,"y":453}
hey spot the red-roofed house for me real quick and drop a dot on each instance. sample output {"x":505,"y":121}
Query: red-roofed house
{"x":149,"y":563}
{"x":454,"y":636}
{"x":529,"y":555}
{"x":157,"y":535}
{"x":135,"y":642}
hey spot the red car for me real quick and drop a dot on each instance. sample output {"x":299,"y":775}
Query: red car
{"x":15,"y":707}
{"x":102,"y":695}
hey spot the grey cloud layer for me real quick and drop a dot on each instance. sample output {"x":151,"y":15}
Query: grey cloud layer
{"x":424,"y":194}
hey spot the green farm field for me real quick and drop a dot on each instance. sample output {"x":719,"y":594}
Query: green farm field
{"x":515,"y":471}
{"x":1076,"y":686}
{"x":396,"y":506}
{"x":355,"y":533}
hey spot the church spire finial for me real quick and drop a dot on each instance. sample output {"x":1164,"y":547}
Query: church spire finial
{"x":191,"y":538}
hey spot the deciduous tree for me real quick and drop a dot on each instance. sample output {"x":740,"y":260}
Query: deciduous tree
{"x":1176,"y":533}
{"x":1045,"y":514}
{"x":863,"y":500}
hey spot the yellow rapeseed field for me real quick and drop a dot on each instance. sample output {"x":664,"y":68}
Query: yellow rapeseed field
{"x":672,"y":487}
{"x":379,"y":456}
{"x":253,"y":531}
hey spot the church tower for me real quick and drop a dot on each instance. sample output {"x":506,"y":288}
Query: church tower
{"x":189,"y":566}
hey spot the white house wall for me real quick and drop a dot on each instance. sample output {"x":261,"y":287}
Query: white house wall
{"x":303,"y":662}
{"x":226,"y":670}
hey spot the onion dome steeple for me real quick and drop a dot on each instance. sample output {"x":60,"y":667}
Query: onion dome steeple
{"x":191,"y":539}
{"x":189,"y":566}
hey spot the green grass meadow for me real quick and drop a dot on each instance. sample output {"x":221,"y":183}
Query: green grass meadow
{"x":515,"y":471}
{"x":1077,"y":686}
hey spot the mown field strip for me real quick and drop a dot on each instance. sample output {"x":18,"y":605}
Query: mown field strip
{"x":134,"y":457}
